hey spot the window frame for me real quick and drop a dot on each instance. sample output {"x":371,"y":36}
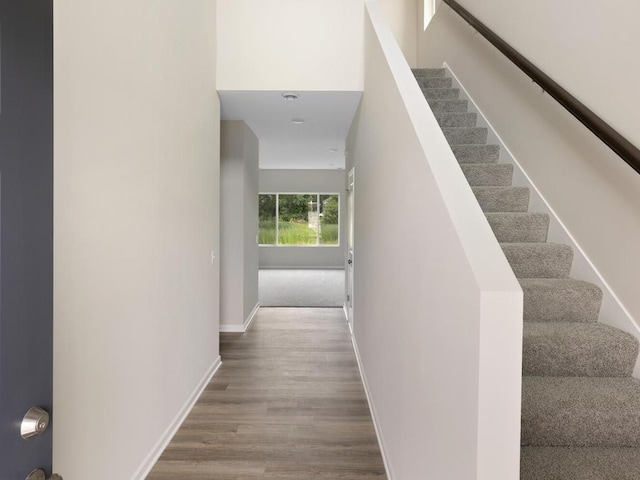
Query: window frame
{"x":318,"y":194}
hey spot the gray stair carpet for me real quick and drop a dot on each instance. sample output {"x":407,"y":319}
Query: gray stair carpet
{"x":580,"y":404}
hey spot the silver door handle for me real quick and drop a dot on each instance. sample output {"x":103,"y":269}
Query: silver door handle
{"x":35,"y":422}
{"x":40,"y":475}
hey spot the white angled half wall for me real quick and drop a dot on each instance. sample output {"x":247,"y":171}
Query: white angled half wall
{"x":239,"y":225}
{"x":136,"y":217}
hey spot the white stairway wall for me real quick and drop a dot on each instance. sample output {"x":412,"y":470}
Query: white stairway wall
{"x":592,"y":191}
{"x":136,"y":219}
{"x":437,"y":310}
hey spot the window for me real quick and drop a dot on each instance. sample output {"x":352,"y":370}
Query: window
{"x":310,"y":219}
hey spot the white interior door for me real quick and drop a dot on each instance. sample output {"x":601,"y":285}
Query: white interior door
{"x":350,"y":253}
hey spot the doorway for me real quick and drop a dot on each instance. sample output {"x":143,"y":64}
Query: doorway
{"x":350,"y":244}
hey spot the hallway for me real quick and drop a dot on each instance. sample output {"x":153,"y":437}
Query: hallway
{"x":287,"y":403}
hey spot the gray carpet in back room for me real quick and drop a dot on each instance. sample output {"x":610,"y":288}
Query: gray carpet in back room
{"x":301,"y":288}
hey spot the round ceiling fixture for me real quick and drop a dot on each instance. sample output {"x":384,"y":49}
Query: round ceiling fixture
{"x":298,"y":121}
{"x":333,"y":150}
{"x":290,"y":97}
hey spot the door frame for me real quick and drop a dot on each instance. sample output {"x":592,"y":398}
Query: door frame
{"x":350,"y":260}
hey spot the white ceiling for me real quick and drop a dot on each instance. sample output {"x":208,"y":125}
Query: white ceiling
{"x":283,"y":145}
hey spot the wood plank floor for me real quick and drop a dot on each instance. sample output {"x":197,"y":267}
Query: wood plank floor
{"x":287,"y":403}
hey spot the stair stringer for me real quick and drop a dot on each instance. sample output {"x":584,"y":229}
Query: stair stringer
{"x":612,"y":311}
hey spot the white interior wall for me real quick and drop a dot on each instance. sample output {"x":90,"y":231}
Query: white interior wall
{"x":305,"y":181}
{"x":588,"y":46}
{"x":593,"y":192}
{"x":437,"y":310}
{"x":302,"y":44}
{"x":403,"y":20}
{"x":251,"y":188}
{"x":239,"y":227}
{"x":135,"y":222}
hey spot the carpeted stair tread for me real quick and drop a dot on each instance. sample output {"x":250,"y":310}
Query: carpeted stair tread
{"x":539,"y":260}
{"x":441,"y":93}
{"x":573,"y":349}
{"x":434,"y":82}
{"x":560,"y":300}
{"x":580,"y":411}
{"x":457,"y":119}
{"x":459,"y":106}
{"x":428,"y":72}
{"x":580,"y":463}
{"x":465,"y":135}
{"x":488,"y":174}
{"x":476,"y":153}
{"x":527,"y":227}
{"x":502,"y":199}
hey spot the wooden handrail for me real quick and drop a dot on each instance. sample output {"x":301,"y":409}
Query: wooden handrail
{"x":620,"y":145}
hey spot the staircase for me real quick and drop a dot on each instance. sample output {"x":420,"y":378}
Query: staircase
{"x":580,"y":405}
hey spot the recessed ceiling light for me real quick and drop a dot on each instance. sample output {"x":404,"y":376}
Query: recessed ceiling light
{"x":290,"y":97}
{"x":297,"y":121}
{"x":331,"y":164}
{"x":333,"y":150}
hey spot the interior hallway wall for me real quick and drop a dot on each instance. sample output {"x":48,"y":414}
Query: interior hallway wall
{"x":305,"y":181}
{"x":239,"y":224}
{"x":136,"y":219}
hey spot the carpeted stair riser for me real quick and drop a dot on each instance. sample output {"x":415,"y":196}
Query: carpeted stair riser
{"x":428,"y":72}
{"x":502,"y":199}
{"x":580,"y":463}
{"x":434,"y":82}
{"x":519,"y":227}
{"x":488,"y":174}
{"x":539,"y":260}
{"x":476,"y":153}
{"x":577,"y":350}
{"x":456,"y":119}
{"x":441,"y":93}
{"x":581,"y":411}
{"x":560,"y":300}
{"x":451,"y":106}
{"x":465,"y":135}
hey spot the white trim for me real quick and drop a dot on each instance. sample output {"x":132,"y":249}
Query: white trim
{"x":310,"y":267}
{"x":251,"y":316}
{"x":162,"y":443}
{"x":241,"y":328}
{"x":374,"y":417}
{"x":612,"y":312}
{"x":346,"y":317}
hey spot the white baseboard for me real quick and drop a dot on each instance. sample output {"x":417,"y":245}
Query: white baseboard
{"x":153,"y":456}
{"x":372,"y":409}
{"x":241,"y":328}
{"x":251,"y":316}
{"x":303,"y":267}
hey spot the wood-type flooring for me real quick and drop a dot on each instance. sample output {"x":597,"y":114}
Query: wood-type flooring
{"x":287,"y":404}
